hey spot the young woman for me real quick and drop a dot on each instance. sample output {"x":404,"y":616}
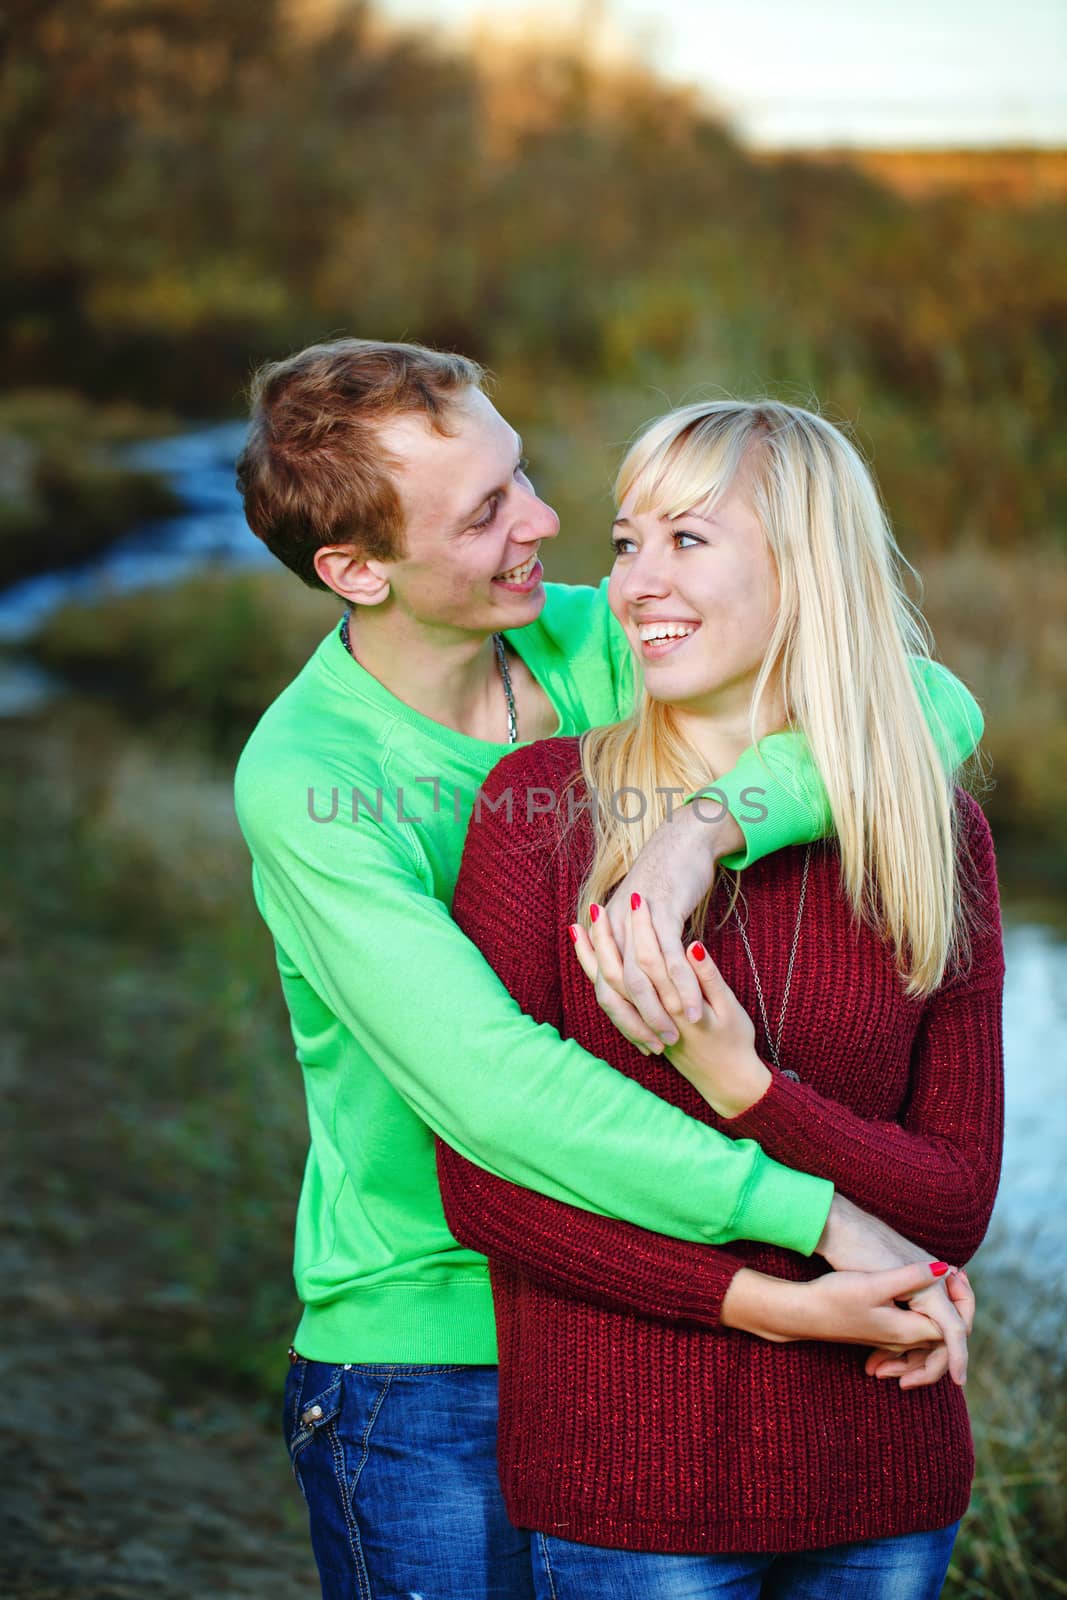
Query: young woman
{"x":851,"y":1024}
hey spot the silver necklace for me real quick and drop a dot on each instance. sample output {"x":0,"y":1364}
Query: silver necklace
{"x":501,"y":661}
{"x":774,"y":1040}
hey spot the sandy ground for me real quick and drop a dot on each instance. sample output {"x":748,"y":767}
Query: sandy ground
{"x":112,"y":1492}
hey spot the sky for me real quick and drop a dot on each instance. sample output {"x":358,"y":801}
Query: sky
{"x":817,"y":72}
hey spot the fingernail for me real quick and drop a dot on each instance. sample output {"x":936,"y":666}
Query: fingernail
{"x":698,"y":953}
{"x":694,"y":1013}
{"x":573,"y":931}
{"x":669,"y":1038}
{"x":594,"y":912}
{"x":939,"y":1268}
{"x":635,"y":902}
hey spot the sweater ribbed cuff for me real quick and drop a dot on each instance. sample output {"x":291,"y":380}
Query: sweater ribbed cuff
{"x":784,"y":1207}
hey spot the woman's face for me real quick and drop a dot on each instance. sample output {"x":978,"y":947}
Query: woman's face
{"x":698,"y":597}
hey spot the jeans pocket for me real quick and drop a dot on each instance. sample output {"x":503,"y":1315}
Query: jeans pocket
{"x":312,"y":1401}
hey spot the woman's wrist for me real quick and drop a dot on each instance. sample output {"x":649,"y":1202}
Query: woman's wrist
{"x":771,"y":1308}
{"x":733,"y":1085}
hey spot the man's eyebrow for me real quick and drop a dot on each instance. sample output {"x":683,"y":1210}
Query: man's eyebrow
{"x":498,"y":488}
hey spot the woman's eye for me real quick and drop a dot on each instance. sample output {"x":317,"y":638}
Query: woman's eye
{"x":619,"y":546}
{"x":680,"y":533}
{"x":523,"y":468}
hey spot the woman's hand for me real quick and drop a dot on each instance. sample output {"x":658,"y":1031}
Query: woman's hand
{"x":854,"y":1240}
{"x":672,"y":874}
{"x":844,"y":1308}
{"x":716,"y":1052}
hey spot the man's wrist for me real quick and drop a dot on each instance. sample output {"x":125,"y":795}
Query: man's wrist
{"x":852,"y":1240}
{"x":713,"y":827}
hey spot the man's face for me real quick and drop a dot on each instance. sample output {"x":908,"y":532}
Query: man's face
{"x":473,"y":522}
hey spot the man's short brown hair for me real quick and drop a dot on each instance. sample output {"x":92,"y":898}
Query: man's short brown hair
{"x":313,"y":471}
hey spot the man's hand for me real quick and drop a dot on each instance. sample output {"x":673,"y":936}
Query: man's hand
{"x":913,"y":1367}
{"x":672,"y":874}
{"x":854,"y":1240}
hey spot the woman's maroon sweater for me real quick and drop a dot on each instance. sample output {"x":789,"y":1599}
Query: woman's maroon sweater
{"x":628,"y":1415}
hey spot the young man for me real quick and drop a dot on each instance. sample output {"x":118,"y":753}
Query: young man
{"x":383,"y":472}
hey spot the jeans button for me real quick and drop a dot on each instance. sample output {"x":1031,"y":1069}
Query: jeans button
{"x":311,"y":1416}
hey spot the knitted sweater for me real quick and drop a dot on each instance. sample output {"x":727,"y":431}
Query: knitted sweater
{"x":629,"y":1416}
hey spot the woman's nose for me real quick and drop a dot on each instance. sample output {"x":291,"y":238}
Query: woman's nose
{"x":645,"y":577}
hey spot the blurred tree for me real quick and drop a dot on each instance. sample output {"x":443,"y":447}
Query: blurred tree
{"x":187,"y":188}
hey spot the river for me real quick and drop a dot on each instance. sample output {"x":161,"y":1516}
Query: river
{"x":212,"y":531}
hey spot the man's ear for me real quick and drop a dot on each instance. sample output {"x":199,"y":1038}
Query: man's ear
{"x":362,"y":583}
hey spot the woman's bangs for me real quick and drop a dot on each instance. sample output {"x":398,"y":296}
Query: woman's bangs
{"x":686,"y":471}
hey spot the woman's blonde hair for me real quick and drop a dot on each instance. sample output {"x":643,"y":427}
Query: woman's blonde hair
{"x":839,"y":654}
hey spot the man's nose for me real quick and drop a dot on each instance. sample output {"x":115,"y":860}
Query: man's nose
{"x":537,"y":520}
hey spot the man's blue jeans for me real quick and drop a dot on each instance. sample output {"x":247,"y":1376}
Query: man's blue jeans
{"x":910,"y":1567}
{"x":398,"y":1468}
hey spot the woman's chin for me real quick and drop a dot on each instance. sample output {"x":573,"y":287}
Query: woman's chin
{"x":675,"y":688}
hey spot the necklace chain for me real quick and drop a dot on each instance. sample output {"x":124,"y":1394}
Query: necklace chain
{"x":501,"y":661}
{"x":774,"y":1040}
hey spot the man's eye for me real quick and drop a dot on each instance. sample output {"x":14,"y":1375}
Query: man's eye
{"x":494,"y":507}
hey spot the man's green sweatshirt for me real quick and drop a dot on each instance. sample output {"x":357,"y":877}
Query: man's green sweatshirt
{"x":355,"y":808}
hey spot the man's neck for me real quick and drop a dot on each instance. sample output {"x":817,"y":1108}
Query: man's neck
{"x":443,"y":673}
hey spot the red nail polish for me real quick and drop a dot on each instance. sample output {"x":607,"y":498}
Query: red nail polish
{"x":594,"y":912}
{"x":939,"y":1268}
{"x":573,"y":931}
{"x":635,"y":902}
{"x":698,"y":952}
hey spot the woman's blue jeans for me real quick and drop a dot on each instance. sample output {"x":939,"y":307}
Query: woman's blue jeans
{"x":909,"y":1567}
{"x":398,"y":1468}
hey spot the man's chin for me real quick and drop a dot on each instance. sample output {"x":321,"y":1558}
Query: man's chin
{"x":514,"y":610}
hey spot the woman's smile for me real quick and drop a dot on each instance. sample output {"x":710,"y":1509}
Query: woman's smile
{"x":659,"y":637}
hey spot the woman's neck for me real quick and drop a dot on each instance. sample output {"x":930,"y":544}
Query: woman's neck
{"x":721,"y":733}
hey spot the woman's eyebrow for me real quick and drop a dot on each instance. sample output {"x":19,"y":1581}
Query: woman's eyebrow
{"x":624,"y":522}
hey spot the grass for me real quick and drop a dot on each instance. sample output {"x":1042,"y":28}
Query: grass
{"x":161,"y":1121}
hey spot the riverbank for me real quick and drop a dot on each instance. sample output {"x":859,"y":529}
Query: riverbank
{"x":66,"y":493}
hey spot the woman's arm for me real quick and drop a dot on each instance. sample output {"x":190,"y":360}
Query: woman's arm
{"x":932,"y":1175}
{"x":623,"y":1268}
